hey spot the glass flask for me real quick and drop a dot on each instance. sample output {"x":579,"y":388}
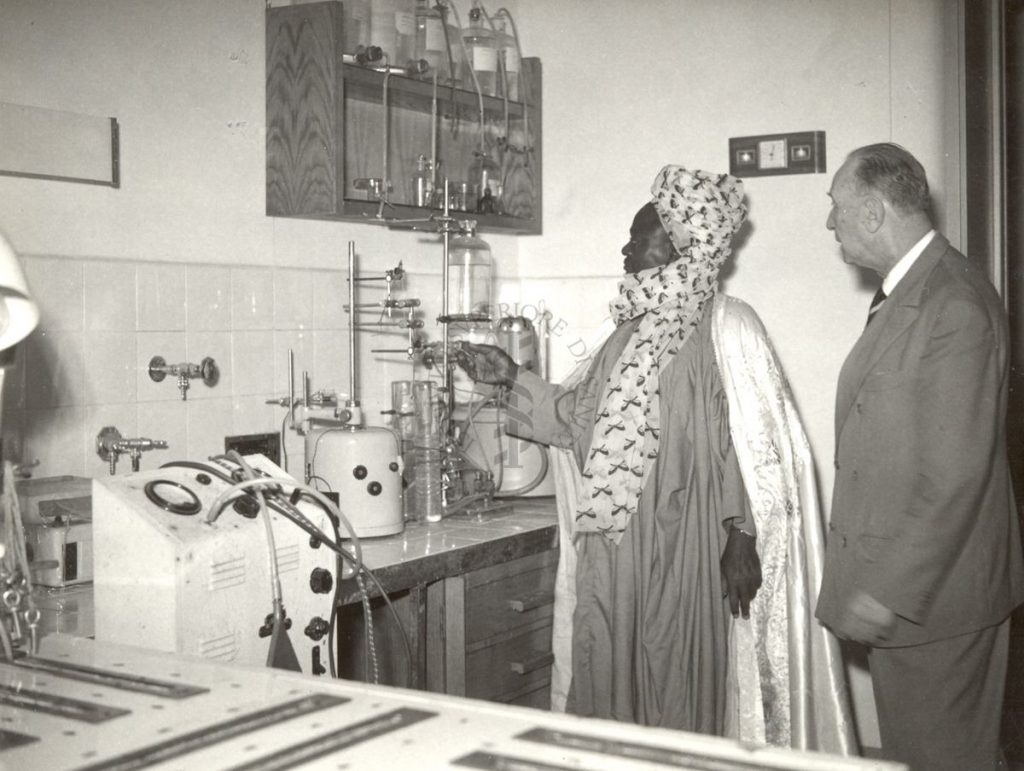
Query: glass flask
{"x":482,"y":51}
{"x":485,"y":187}
{"x":469,"y":278}
{"x":422,"y":182}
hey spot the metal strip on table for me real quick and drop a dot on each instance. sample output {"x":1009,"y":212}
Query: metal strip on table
{"x":340,"y":739}
{"x":635,"y":751}
{"x":119,"y":680}
{"x":61,"y":706}
{"x":490,"y":761}
{"x":11,"y":739}
{"x":217,"y":732}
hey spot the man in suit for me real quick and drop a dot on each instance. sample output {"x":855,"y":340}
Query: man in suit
{"x":923,"y":563}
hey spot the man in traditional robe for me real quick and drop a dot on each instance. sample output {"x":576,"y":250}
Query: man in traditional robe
{"x":694,"y":521}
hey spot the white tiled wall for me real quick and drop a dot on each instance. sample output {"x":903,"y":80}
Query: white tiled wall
{"x":86,"y":365}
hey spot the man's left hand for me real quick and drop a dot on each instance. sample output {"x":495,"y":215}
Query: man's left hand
{"x":866,"y":620}
{"x":741,"y":571}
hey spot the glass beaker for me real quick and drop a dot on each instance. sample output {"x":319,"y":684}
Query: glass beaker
{"x":417,"y":419}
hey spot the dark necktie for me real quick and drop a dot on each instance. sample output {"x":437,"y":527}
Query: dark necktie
{"x":876,"y":303}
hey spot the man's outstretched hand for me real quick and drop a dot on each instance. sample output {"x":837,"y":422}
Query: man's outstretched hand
{"x":486,"y":363}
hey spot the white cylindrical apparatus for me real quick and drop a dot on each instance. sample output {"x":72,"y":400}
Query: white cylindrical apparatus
{"x":363,"y":466}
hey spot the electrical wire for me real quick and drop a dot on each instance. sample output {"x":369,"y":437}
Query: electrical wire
{"x":442,"y":8}
{"x":371,"y":662}
{"x":531,"y":485}
{"x":472,"y":72}
{"x":334,"y":515}
{"x":284,"y":508}
{"x":501,"y":65}
{"x":277,"y":603}
{"x":313,"y":477}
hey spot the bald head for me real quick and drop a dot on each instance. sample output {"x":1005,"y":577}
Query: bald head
{"x":892,"y":173}
{"x":880,"y":206}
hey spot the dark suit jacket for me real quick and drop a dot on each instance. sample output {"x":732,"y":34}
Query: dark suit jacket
{"x":923,"y":516}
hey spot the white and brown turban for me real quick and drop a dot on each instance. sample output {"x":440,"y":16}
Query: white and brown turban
{"x":699,"y":210}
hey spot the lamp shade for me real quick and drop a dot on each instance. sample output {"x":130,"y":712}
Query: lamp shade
{"x":19,"y":313}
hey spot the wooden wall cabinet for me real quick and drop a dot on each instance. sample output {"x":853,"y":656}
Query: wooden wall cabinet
{"x":326,"y":124}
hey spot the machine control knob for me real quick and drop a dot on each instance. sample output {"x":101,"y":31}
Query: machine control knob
{"x":374,"y":488}
{"x":359,"y":472}
{"x":393,"y":465}
{"x":247,"y":506}
{"x":321,"y":581}
{"x":203,"y":479}
{"x":316,"y":628}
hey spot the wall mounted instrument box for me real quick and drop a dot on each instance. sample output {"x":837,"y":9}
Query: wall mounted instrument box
{"x":801,"y":152}
{"x":57,"y":512}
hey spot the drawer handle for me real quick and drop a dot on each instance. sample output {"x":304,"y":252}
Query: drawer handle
{"x":531,"y":602}
{"x":535,"y":662}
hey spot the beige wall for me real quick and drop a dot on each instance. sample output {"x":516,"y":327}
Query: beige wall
{"x":627,"y":88}
{"x":670,"y":81}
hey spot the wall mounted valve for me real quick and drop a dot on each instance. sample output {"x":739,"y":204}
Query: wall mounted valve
{"x":110,"y":445}
{"x":207,"y":370}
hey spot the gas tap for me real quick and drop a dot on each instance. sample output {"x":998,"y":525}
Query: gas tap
{"x":110,"y":444}
{"x":207,"y":370}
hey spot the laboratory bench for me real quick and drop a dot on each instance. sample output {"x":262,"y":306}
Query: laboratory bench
{"x":475,"y":594}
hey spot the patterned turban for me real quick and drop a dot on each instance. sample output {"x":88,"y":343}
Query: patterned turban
{"x":699,"y":210}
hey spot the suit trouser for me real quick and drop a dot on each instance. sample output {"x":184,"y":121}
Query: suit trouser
{"x":940,"y":704}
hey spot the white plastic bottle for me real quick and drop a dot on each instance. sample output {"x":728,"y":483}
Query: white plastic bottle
{"x":482,"y":50}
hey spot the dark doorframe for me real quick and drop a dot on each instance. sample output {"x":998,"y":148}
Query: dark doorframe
{"x":993,"y":125}
{"x":1014,"y":258}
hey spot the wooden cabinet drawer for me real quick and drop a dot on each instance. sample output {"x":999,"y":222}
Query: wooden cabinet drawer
{"x":512,"y":667}
{"x":513,"y":594}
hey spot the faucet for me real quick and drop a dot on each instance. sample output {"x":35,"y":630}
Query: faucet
{"x":207,"y":370}
{"x":110,"y":444}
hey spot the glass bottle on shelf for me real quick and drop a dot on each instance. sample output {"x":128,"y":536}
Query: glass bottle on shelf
{"x":393,"y":28}
{"x":469,"y":277}
{"x":485,"y":187}
{"x":422,"y":182}
{"x":432,"y":45}
{"x":355,"y":29}
{"x":481,"y":50}
{"x":509,"y":53}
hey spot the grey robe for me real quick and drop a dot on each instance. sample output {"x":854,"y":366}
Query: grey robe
{"x":651,"y":621}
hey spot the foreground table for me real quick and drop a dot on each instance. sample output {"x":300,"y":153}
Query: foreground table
{"x":87,"y":705}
